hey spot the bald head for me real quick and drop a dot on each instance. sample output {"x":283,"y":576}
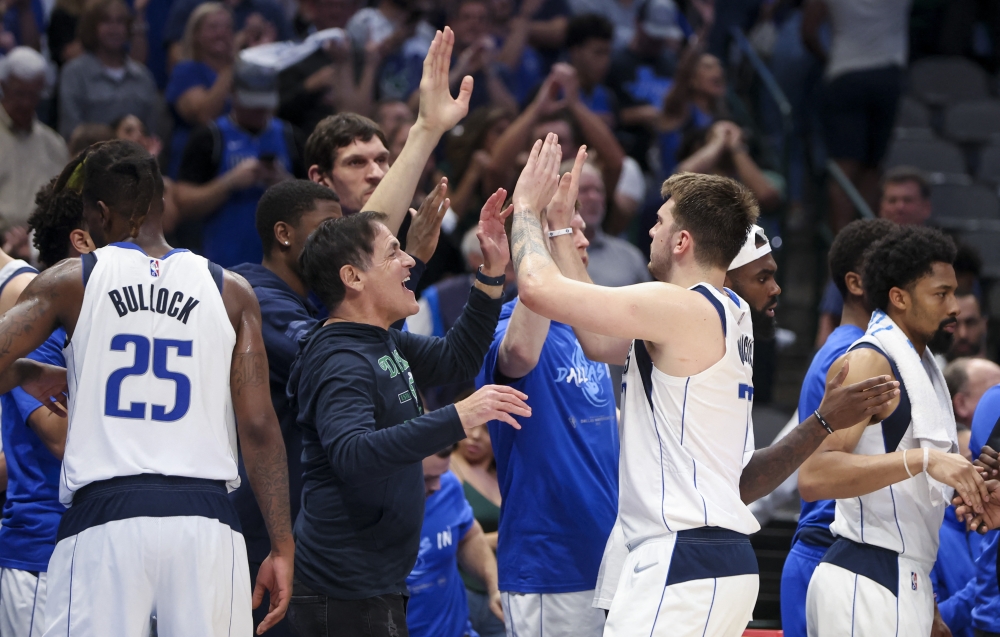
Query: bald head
{"x":968,"y":379}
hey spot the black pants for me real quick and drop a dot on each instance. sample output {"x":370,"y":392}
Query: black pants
{"x":316,"y":615}
{"x":983,"y":633}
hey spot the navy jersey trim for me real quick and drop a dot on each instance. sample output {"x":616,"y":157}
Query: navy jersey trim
{"x":874,"y":562}
{"x":895,"y":425}
{"x":147,"y":495}
{"x":708,"y":552}
{"x":217,"y":274}
{"x":25,"y":270}
{"x":701,"y":289}
{"x":89,"y":262}
{"x":645,"y":364}
{"x":133,"y":246}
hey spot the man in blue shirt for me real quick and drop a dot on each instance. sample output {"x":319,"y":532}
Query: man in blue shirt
{"x":558,"y":474}
{"x":986,"y":608}
{"x":450,"y":534}
{"x":33,"y":441}
{"x":813,"y":536}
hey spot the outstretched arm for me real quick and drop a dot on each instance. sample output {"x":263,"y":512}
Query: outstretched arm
{"x":834,"y":471}
{"x":477,"y":558}
{"x":261,"y":444}
{"x":439,"y":112}
{"x":842,"y":407}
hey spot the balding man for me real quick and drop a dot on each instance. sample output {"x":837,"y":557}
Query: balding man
{"x":968,"y":379}
{"x":31,"y":153}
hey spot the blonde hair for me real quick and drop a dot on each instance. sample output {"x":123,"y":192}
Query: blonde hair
{"x":189,"y":45}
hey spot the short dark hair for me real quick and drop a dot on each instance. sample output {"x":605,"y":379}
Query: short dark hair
{"x":588,"y":26}
{"x":847,"y":254}
{"x":56,"y":215}
{"x":901,"y":258}
{"x":905,"y":175}
{"x":287,"y":202}
{"x":120,"y":173}
{"x":90,"y":19}
{"x":336,"y":132}
{"x":334,"y":244}
{"x":717,"y":211}
{"x":956,"y":375}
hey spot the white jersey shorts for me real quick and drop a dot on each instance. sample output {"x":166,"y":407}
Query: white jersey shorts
{"x":696,"y":583}
{"x":22,"y":603}
{"x":552,"y":614}
{"x":868,"y":591}
{"x":142,"y":546}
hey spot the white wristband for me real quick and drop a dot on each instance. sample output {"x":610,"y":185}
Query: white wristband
{"x":925,"y":459}
{"x":906,"y":466}
{"x":559,"y":233}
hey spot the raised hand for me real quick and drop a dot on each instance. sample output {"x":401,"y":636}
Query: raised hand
{"x":540,"y":177}
{"x":439,"y":111}
{"x":562,"y":207}
{"x":844,"y":407}
{"x":425,"y":229}
{"x":492,"y":236}
{"x":493,"y":402}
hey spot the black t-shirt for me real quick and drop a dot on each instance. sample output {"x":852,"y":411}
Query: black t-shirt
{"x":200,"y":162}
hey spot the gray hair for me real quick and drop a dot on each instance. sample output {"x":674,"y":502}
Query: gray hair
{"x":470,"y":243}
{"x":23,"y":63}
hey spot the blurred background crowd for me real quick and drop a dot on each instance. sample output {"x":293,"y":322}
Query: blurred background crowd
{"x":828,"y":110}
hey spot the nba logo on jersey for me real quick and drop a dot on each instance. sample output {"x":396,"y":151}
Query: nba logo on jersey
{"x":154,"y":267}
{"x":913,"y":580}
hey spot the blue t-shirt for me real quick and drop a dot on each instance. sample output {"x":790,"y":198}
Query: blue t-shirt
{"x":32,"y":512}
{"x":438,"y":606}
{"x":819,"y":514}
{"x":186,"y":75}
{"x":954,"y":573}
{"x":986,"y":612}
{"x":558,"y":474}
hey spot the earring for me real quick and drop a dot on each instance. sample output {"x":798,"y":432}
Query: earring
{"x":286,"y":243}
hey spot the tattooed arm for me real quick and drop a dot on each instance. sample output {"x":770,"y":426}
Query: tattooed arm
{"x":261,"y":444}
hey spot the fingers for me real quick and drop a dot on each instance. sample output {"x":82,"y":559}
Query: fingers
{"x":504,"y":389}
{"x":465,"y":91}
{"x":56,"y":407}
{"x":258,"y":593}
{"x":838,"y":380}
{"x":506,"y":213}
{"x":886,"y":383}
{"x":581,"y":159}
{"x":507,"y":418}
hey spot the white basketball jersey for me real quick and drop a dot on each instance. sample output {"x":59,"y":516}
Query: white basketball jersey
{"x":148,"y":369}
{"x":685,"y":440}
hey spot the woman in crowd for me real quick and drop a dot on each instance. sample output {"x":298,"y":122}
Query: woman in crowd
{"x":104,"y":83}
{"x":475,"y":467}
{"x":200,"y":85}
{"x":64,"y":43}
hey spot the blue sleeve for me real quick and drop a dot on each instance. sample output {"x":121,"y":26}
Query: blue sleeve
{"x":985,"y":419}
{"x":186,"y":75}
{"x":284,"y":323}
{"x":48,"y":352}
{"x":832,"y":302}
{"x":956,"y":611}
{"x":811,"y":394}
{"x":346,"y":425}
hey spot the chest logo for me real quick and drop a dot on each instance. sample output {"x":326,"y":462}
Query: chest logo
{"x":154,"y":268}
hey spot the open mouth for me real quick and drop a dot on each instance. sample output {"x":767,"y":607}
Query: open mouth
{"x":405,"y":281}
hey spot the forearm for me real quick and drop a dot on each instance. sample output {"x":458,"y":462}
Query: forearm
{"x":769,"y":467}
{"x":477,"y":558}
{"x":522,"y":343}
{"x":394,"y":193}
{"x":266,"y":462}
{"x":602,"y":140}
{"x":834,"y":475}
{"x":514,"y":139}
{"x":645,"y":115}
{"x":194,"y":201}
{"x":21,"y":371}
{"x":702,"y":161}
{"x":548,"y":34}
{"x":751,"y":176}
{"x":513,"y":45}
{"x":499,"y":95}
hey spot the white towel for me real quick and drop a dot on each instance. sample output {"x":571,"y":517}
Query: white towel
{"x":281,"y":55}
{"x":930,"y":403}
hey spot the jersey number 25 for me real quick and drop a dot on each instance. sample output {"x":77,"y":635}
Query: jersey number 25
{"x":160,"y":347}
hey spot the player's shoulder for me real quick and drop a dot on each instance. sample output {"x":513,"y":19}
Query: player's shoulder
{"x":865,"y":362}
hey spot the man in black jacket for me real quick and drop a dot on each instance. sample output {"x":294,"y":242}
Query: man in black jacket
{"x":364,"y":431}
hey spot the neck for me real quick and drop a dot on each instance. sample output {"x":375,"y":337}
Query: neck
{"x":151,"y":238}
{"x":283,"y":271}
{"x":919,"y":342}
{"x":855,"y":314}
{"x":693,"y":275}
{"x":111,"y":59}
{"x":357,"y":312}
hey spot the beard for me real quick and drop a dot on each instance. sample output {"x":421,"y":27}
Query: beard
{"x":941,"y":342}
{"x":764,"y":326}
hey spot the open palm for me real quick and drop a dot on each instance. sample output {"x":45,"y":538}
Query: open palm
{"x":491,"y":234}
{"x":439,"y":111}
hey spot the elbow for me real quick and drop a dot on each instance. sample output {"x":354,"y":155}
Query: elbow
{"x":529,"y":291}
{"x":810,"y":486}
{"x":516,"y":360}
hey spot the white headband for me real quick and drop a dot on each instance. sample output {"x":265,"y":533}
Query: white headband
{"x":750,"y":252}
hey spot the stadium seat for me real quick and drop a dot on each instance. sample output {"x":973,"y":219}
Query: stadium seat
{"x":973,"y":122}
{"x":964,"y":207}
{"x":912,"y":114}
{"x":913,"y":132}
{"x":932,"y":155}
{"x":985,"y":242}
{"x":989,"y":165}
{"x":939,"y":81}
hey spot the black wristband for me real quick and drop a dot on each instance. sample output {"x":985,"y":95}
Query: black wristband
{"x":489,"y":280}
{"x":822,"y":421}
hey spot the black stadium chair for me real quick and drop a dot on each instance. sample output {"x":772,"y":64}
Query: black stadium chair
{"x":939,"y":81}
{"x":931,"y":155}
{"x":964,"y":207}
{"x":986,"y":243}
{"x":989,"y":165}
{"x":974,"y":122}
{"x":912,"y":114}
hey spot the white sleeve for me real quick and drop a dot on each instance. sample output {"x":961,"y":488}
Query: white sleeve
{"x":631,"y":183}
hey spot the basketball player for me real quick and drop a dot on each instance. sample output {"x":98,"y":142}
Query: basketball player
{"x":686,"y":429}
{"x":165,"y":362}
{"x":889,"y":473}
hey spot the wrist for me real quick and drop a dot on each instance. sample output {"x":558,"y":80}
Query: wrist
{"x":491,"y":272}
{"x":284,"y":547}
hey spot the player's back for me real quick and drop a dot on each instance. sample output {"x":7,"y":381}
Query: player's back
{"x":148,"y":371}
{"x":685,"y":440}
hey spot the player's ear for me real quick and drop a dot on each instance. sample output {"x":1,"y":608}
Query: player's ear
{"x":282,"y":233}
{"x":899,"y":297}
{"x":351,"y":277}
{"x":853,"y":282}
{"x":80,"y":242}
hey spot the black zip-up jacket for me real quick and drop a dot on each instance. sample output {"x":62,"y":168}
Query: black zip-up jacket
{"x":364,"y":437}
